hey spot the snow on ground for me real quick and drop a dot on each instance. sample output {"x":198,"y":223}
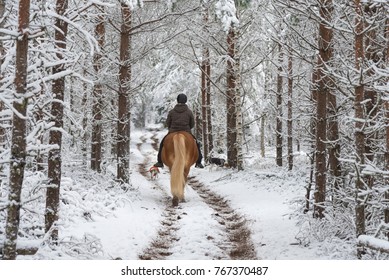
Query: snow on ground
{"x":102,"y":221}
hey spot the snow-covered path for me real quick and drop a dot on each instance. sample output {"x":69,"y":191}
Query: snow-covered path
{"x":204,"y":227}
{"x":261,"y":204}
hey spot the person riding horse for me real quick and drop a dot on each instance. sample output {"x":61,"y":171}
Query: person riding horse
{"x":180,"y":118}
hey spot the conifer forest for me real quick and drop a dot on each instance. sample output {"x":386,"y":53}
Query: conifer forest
{"x":300,"y":84}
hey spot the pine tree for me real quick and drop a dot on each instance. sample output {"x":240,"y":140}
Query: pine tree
{"x":231,"y":98}
{"x":123,"y":123}
{"x":323,"y":91}
{"x":55,"y":156}
{"x":19,"y":143}
{"x":279,"y":145}
{"x":97,"y":100}
{"x":290,"y":108}
{"x":359,"y":116}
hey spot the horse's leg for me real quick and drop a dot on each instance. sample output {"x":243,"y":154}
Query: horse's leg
{"x":186,"y":172}
{"x":175,"y":201}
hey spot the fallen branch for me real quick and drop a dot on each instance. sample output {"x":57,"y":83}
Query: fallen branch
{"x":374,"y":243}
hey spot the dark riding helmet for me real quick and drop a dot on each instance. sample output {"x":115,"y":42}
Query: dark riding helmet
{"x":181,"y":98}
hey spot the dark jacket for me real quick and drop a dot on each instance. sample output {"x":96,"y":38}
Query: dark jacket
{"x":180,"y":118}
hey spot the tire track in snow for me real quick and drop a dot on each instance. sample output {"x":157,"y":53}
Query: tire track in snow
{"x":160,"y":247}
{"x":239,"y":245}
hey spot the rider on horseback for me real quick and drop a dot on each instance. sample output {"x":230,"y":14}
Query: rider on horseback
{"x":180,"y":118}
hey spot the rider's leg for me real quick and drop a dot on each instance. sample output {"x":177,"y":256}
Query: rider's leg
{"x":200,"y":158}
{"x":159,"y":157}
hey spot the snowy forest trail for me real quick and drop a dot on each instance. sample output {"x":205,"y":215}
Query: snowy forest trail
{"x":205,"y":226}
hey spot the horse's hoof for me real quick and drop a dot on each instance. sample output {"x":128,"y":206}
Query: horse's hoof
{"x":175,"y":201}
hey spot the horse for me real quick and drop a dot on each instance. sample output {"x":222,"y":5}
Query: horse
{"x":179,"y":153}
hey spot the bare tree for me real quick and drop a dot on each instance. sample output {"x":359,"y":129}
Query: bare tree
{"x":19,"y":143}
{"x":55,"y":157}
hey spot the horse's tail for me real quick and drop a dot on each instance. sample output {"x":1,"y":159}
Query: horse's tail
{"x":177,"y":178}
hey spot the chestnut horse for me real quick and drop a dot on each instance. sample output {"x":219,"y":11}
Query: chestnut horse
{"x":179,"y":153}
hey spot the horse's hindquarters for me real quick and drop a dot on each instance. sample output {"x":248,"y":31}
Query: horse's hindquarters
{"x":179,"y":153}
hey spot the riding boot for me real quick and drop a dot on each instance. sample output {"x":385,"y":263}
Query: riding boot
{"x":159,"y":157}
{"x":200,"y":158}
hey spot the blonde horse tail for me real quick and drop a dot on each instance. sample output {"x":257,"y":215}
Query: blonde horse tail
{"x":177,"y":179}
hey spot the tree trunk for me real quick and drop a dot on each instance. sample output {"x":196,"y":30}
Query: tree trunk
{"x":123,"y":127}
{"x":239,"y":117}
{"x":262,"y":135}
{"x":371,"y":54}
{"x":204,"y":102}
{"x":386,"y":211}
{"x":333,"y":126}
{"x":84,"y":106}
{"x":39,"y":117}
{"x":198,"y":124}
{"x":97,"y":101}
{"x":333,"y":139}
{"x":205,"y":88}
{"x":279,"y":107}
{"x":372,"y":50}
{"x":359,"y":125}
{"x":314,"y":87}
{"x":264,"y":115}
{"x":18,"y":147}
{"x":325,"y":55}
{"x":3,"y":130}
{"x":114,"y":133}
{"x":290,"y":109}
{"x":209,"y":110}
{"x":55,"y":160}
{"x":231,"y":99}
